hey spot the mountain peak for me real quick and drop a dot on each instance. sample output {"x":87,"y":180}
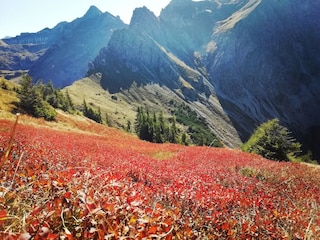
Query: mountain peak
{"x":142,"y":15}
{"x":93,"y":11}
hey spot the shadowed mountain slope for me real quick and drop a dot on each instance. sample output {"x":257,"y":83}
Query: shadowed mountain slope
{"x":61,"y":54}
{"x":67,"y":60}
{"x":267,"y":65}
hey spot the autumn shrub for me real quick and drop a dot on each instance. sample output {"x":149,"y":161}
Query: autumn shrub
{"x":45,"y":110}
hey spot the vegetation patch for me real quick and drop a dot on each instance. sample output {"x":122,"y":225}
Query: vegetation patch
{"x":40,"y":100}
{"x":8,"y":99}
{"x":155,"y":128}
{"x":106,"y":185}
{"x":89,"y":112}
{"x":273,"y":141}
{"x":162,"y":155}
{"x":252,"y":172}
{"x":197,"y":128}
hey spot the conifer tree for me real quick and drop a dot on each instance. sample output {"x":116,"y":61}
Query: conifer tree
{"x":272,"y":141}
{"x":27,"y":93}
{"x":154,"y":128}
{"x":69,"y":100}
{"x":90,"y":113}
{"x":173,"y":138}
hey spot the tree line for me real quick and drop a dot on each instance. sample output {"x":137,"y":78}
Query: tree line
{"x":91,"y":113}
{"x":154,"y":127}
{"x":40,"y":100}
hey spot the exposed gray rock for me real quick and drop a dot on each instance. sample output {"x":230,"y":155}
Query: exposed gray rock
{"x":266,"y":64}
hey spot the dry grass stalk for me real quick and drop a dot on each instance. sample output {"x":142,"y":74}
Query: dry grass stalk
{"x":5,"y":156}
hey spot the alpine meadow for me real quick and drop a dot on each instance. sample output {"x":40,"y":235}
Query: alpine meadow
{"x":200,"y":123}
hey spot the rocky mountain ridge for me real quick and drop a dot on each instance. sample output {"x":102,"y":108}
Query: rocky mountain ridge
{"x":67,"y":60}
{"x":21,"y":52}
{"x":61,"y":54}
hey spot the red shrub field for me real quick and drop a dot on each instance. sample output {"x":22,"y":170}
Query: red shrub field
{"x":101,"y":183}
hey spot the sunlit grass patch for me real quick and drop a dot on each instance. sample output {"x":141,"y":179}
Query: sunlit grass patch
{"x":162,"y":155}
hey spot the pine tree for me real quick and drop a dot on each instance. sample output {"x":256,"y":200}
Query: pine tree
{"x":272,"y":141}
{"x":84,"y":107}
{"x":70,"y":102}
{"x":173,"y":138}
{"x":27,"y":94}
{"x":128,"y":128}
{"x":90,"y":113}
{"x":184,"y":139}
{"x":154,"y":128}
{"x":98,"y":116}
{"x":138,"y":121}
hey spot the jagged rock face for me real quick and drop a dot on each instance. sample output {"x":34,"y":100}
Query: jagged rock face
{"x":133,"y":58}
{"x":80,"y":41}
{"x":188,"y":25}
{"x":266,"y":64}
{"x":158,"y":50}
{"x":138,"y":54}
{"x":61,"y":54}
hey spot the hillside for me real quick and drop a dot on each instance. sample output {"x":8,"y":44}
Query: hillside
{"x":78,"y":179}
{"x":122,"y":106}
{"x":18,"y":54}
{"x":235,"y":63}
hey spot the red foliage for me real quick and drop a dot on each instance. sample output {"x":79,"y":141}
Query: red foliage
{"x":107,"y":185}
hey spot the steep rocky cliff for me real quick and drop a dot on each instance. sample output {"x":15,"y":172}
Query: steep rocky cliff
{"x":267,"y":64}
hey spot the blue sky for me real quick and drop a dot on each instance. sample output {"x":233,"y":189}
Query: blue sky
{"x":18,"y":16}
